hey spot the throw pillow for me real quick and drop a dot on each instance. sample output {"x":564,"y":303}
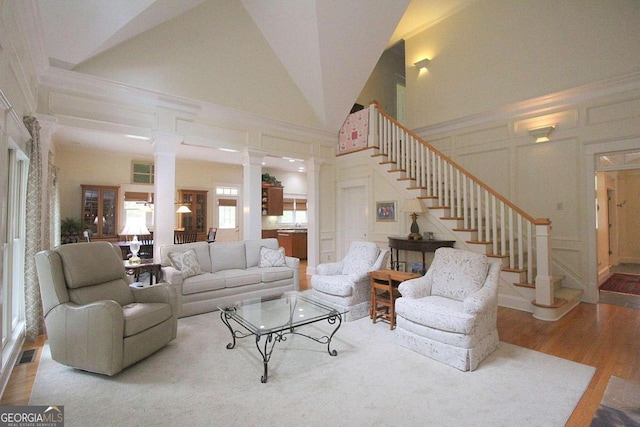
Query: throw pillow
{"x":272,"y":257}
{"x":186,"y":262}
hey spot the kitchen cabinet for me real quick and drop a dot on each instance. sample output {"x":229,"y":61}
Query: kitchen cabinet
{"x":294,"y":243}
{"x":272,"y":200}
{"x":269,"y":234}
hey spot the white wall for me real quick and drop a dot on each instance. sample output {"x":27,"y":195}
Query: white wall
{"x":497,"y":52}
{"x":502,"y":67}
{"x":17,"y":99}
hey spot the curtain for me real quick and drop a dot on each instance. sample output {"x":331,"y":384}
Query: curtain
{"x":33,"y":238}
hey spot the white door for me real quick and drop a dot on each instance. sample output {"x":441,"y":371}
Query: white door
{"x":228,"y":229}
{"x":353,"y":208}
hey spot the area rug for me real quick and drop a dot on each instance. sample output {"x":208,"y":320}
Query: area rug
{"x":620,"y":405}
{"x":622,"y":283}
{"x":197,"y":381}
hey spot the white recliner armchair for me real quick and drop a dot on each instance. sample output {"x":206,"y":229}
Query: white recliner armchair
{"x":95,"y":321}
{"x":345,"y":284}
{"x":450,"y":314}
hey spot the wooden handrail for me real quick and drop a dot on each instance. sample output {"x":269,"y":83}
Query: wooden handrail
{"x":535,"y":221}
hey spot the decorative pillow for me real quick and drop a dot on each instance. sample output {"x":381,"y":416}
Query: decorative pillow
{"x":186,"y":262}
{"x":272,"y":257}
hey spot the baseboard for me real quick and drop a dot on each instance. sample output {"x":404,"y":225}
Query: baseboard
{"x":515,"y":303}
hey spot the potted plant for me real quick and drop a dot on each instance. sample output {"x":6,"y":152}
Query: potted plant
{"x":269,"y":179}
{"x":70,"y":230}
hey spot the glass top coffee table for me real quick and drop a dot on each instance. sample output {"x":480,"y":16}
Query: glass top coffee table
{"x":275,"y":318}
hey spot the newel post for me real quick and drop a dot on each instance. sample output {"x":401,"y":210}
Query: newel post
{"x":544,"y":280}
{"x":372,"y":138}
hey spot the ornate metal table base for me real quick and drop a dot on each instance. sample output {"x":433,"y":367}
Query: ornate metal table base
{"x":271,"y":338}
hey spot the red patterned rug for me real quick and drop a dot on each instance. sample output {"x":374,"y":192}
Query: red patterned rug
{"x":622,"y":283}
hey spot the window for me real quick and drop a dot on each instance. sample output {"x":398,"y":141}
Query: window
{"x":227,"y":213}
{"x":142,"y":172}
{"x":226,"y":191}
{"x":138,"y":207}
{"x":294,"y":211}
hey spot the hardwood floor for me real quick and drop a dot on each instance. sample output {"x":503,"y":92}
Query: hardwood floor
{"x":600,"y":335}
{"x":18,"y":390}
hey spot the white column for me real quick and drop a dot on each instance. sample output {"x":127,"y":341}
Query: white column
{"x":252,"y":193}
{"x":544,"y":280}
{"x":165,"y":148}
{"x":313,"y":214}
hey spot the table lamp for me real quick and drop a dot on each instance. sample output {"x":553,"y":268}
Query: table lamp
{"x":134,"y":228}
{"x":414,"y":206}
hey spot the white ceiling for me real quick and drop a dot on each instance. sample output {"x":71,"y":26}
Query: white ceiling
{"x":317,"y":57}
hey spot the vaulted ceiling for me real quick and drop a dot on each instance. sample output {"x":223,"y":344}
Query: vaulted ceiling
{"x":318,"y":42}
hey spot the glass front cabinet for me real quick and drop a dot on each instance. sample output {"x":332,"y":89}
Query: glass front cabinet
{"x":100,"y":211}
{"x":196,"y":220}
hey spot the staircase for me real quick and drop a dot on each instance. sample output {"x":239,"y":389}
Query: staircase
{"x":480,"y":219}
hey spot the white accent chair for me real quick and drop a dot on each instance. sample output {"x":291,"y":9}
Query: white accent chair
{"x":345,"y":284}
{"x":450,"y":314}
{"x":95,"y":321}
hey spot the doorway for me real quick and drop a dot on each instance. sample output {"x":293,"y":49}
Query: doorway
{"x":353,"y":210}
{"x":227,"y":214}
{"x":617,"y":222}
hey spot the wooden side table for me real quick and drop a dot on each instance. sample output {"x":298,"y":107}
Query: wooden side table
{"x":402,"y":243}
{"x":384,"y":291}
{"x":145,"y":266}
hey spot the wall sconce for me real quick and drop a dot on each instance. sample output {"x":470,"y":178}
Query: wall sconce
{"x":423,"y":63}
{"x":541,"y":134}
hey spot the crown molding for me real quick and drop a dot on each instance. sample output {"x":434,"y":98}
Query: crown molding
{"x":90,"y":87}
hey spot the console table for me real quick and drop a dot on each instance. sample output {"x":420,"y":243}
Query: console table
{"x":402,"y":243}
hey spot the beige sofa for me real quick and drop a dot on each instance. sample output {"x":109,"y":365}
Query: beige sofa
{"x":95,"y":321}
{"x":228,"y":273}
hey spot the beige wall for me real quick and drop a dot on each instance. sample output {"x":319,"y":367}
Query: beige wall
{"x":243,"y":71}
{"x":497,"y":52}
{"x":77,"y":167}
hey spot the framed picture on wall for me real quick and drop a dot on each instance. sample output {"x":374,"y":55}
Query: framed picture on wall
{"x":386,"y":211}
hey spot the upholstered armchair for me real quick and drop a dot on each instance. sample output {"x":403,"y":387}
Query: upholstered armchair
{"x":345,"y":284}
{"x":450,"y":314}
{"x":95,"y":321}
